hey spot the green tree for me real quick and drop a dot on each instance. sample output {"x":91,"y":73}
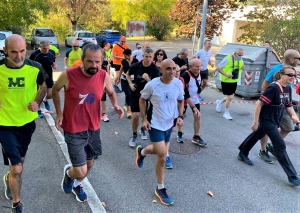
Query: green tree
{"x":275,"y":21}
{"x":159,"y":27}
{"x":184,"y":14}
{"x":80,"y":11}
{"x":17,"y":15}
{"x":141,"y":10}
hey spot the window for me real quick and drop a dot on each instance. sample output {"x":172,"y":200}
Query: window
{"x":86,"y":35}
{"x":2,"y":36}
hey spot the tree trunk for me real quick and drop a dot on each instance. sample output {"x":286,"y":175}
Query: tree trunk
{"x":74,"y":25}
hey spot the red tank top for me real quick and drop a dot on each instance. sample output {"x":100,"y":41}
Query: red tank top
{"x":82,"y":101}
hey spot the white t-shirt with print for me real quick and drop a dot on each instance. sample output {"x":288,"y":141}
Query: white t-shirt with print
{"x":164,"y":99}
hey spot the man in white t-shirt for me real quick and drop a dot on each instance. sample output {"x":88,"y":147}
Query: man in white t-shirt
{"x":139,"y":52}
{"x":204,"y":55}
{"x":166,"y":97}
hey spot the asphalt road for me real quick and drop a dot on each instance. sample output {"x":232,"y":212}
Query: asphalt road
{"x":125,"y":188}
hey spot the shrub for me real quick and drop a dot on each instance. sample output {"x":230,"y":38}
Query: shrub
{"x":159,"y":27}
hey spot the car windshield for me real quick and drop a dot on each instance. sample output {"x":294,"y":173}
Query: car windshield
{"x":115,"y":33}
{"x":2,"y":36}
{"x":44,"y":33}
{"x":86,"y":35}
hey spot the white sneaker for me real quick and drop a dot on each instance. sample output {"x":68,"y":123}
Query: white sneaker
{"x":227,"y":116}
{"x":219,"y":105}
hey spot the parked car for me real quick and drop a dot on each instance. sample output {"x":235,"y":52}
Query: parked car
{"x":111,"y":36}
{"x":81,"y":36}
{"x":3,"y":35}
{"x":42,"y":33}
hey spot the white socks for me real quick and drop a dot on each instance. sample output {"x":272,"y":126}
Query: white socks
{"x":160,"y":186}
{"x":76,"y":183}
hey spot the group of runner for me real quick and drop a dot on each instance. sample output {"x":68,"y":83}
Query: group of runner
{"x":151,"y":90}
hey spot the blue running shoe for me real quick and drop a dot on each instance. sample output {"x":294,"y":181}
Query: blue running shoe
{"x":40,"y":114}
{"x":163,"y":196}
{"x":200,"y":98}
{"x":179,"y":138}
{"x":47,"y":106}
{"x":198,"y":140}
{"x":67,"y":182}
{"x":79,"y":193}
{"x":117,"y":89}
{"x":168,"y":163}
{"x":295,"y":181}
{"x":139,"y":158}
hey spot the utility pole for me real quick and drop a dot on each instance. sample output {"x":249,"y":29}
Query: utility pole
{"x":203,"y":23}
{"x":196,"y":25}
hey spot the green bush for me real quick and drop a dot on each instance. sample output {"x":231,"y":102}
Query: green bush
{"x":159,"y":27}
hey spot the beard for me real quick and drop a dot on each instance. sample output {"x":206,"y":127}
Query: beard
{"x":91,"y":71}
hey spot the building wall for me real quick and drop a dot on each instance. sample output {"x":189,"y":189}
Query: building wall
{"x":231,"y":30}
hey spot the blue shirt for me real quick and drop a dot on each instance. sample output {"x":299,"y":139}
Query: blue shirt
{"x":270,"y":76}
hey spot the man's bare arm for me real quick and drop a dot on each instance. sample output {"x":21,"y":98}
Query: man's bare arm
{"x":61,"y":82}
{"x":41,"y":93}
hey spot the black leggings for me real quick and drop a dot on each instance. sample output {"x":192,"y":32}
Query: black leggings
{"x":126,"y":88}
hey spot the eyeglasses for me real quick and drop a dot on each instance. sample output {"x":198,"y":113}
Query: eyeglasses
{"x":75,"y":46}
{"x":290,"y":75}
{"x":139,"y":48}
{"x":161,"y":54}
{"x":123,"y":41}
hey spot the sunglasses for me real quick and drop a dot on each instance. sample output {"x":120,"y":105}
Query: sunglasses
{"x":75,"y":46}
{"x":290,"y":75}
{"x":139,"y":48}
{"x":161,"y":54}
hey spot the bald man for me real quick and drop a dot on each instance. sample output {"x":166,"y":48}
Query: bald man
{"x":118,"y":56}
{"x":138,"y":53}
{"x":192,"y":90}
{"x":291,"y":58}
{"x":166,"y":97}
{"x":73,"y":54}
{"x":19,"y":105}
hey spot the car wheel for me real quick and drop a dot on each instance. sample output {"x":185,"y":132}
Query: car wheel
{"x":2,"y":55}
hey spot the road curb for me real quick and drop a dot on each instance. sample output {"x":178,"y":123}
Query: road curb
{"x":93,"y":200}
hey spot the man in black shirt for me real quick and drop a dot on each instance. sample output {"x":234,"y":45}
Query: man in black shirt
{"x":267,"y":116}
{"x":46,"y":58}
{"x":143,"y":72}
{"x":182,"y":60}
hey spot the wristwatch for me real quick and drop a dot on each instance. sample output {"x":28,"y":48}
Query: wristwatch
{"x":298,"y":123}
{"x":180,"y":116}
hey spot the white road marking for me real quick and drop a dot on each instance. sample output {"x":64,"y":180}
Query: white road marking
{"x":93,"y":200}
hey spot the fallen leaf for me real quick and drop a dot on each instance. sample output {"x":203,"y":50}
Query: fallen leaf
{"x":210,"y":193}
{"x":116,"y":133}
{"x":103,"y":204}
{"x":154,"y":201}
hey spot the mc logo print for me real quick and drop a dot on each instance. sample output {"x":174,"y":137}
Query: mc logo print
{"x":88,"y":98}
{"x":19,"y":83}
